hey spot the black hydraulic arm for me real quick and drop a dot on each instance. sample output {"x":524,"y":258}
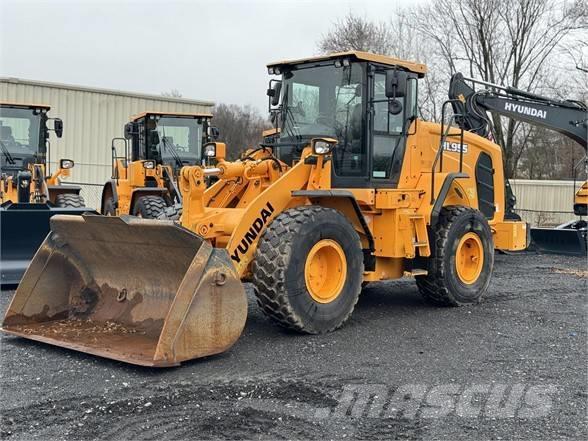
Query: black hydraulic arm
{"x":566,"y":117}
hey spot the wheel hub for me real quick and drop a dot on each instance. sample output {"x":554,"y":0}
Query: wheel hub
{"x":325,"y":271}
{"x":469,"y":258}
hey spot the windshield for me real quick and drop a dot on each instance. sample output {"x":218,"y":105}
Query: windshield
{"x":180,"y":139}
{"x":19,"y":136}
{"x":322,"y":101}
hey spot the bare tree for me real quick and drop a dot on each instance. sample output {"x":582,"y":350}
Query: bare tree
{"x":173,"y":93}
{"x":510,"y":42}
{"x":358,"y":34}
{"x":240,"y":127}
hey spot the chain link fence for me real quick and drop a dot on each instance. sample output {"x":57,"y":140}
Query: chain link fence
{"x":92,"y":193}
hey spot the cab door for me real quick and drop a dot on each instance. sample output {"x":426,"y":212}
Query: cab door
{"x":388,"y":131}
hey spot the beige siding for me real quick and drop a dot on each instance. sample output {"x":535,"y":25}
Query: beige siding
{"x":545,"y":202}
{"x":91,"y":117}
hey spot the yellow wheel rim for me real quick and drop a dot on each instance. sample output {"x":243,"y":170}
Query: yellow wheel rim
{"x":469,"y":258}
{"x":325,"y":271}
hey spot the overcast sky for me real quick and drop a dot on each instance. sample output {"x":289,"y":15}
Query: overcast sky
{"x":214,"y":50}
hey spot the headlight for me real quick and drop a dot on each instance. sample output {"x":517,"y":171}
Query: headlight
{"x":149,"y":165}
{"x":322,"y":147}
{"x":210,"y":150}
{"x":66,"y":163}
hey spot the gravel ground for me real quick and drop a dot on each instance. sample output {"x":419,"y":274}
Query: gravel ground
{"x":513,"y":367}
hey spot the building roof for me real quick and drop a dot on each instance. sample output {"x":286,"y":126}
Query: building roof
{"x":157,"y":112}
{"x":24,"y":105}
{"x":417,"y":68}
{"x":103,"y":91}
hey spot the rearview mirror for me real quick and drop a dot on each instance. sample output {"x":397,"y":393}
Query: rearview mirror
{"x":275,"y":87}
{"x":396,"y":83}
{"x":213,"y":133}
{"x":58,"y":127}
{"x":154,"y":137}
{"x":130,"y":130}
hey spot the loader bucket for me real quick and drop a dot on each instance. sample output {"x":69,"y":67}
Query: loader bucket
{"x":23,"y":227}
{"x":568,"y":241}
{"x":141,"y":291}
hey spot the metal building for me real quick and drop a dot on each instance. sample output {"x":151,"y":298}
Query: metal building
{"x":91,"y":117}
{"x":545,"y":203}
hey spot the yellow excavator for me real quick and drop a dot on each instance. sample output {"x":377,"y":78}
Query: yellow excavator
{"x":355,"y":189}
{"x":156,"y":146}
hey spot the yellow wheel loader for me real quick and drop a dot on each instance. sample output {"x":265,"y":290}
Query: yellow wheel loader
{"x":156,"y":146}
{"x":29,"y":194}
{"x":356,"y":189}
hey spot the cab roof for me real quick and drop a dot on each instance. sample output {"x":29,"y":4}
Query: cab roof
{"x":411,"y":66}
{"x":24,"y":105}
{"x":186,"y":114}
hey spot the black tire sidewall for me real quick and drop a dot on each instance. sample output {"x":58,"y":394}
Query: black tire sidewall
{"x":462,"y":292}
{"x":322,"y":317}
{"x":143,"y":210}
{"x":69,"y":200}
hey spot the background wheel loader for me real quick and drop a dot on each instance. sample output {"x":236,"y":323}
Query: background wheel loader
{"x":161,"y":143}
{"x":356,"y":189}
{"x":30,"y":195}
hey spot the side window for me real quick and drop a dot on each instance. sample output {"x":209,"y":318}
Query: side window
{"x":351,"y":153}
{"x":15,"y":130}
{"x":411,"y":100}
{"x":305,"y":98}
{"x":387,"y":131}
{"x":139,"y":141}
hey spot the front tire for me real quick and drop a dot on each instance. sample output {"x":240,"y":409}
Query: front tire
{"x":149,"y":207}
{"x":70,"y":201}
{"x":308,"y":269}
{"x":173,"y":212}
{"x":462,"y":258}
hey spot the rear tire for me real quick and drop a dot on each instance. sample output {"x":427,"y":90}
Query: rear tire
{"x":70,"y":201}
{"x":462,"y":258}
{"x":308,"y":269}
{"x":149,"y":207}
{"x":173,"y":212}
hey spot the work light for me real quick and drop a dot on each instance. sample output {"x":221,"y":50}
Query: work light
{"x":210,"y":150}
{"x":322,"y":146}
{"x":66,"y":163}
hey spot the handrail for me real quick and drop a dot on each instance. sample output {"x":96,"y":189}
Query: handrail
{"x":444,"y":134}
{"x":115,"y":157}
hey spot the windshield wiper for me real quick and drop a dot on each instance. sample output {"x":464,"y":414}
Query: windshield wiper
{"x":172,"y":149}
{"x":7,"y":154}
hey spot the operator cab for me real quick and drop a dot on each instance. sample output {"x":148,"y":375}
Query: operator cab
{"x":366,"y":102}
{"x":24,"y":135}
{"x":169,"y":138}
